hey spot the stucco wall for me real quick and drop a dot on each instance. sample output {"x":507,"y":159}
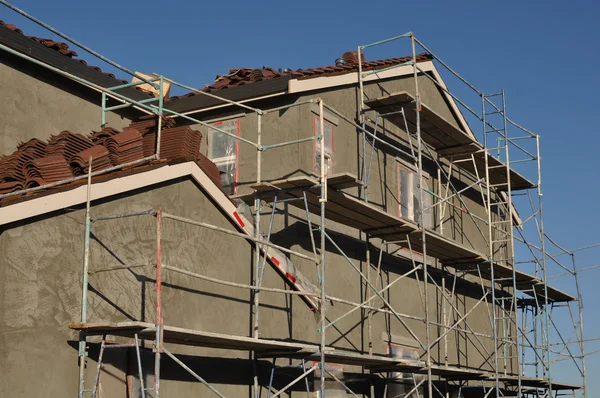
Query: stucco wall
{"x":40,"y":292}
{"x":297,"y":159}
{"x":34,"y":104}
{"x":40,"y":265}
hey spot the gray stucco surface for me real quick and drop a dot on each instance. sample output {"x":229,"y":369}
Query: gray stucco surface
{"x":40,"y":293}
{"x":33,"y":108}
{"x":40,"y":265}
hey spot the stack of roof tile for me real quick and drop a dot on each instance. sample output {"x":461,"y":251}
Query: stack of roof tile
{"x":125,"y":147}
{"x":99,"y":137}
{"x":180,"y":143}
{"x":80,"y":163}
{"x":148,"y":127}
{"x":12,"y":166}
{"x":210,"y":169}
{"x":68,"y":144}
{"x":37,"y":163}
{"x":11,"y":186}
{"x":45,"y":170}
{"x":351,"y":57}
{"x":34,"y":145}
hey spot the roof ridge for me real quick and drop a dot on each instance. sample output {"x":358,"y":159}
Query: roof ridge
{"x":243,"y":76}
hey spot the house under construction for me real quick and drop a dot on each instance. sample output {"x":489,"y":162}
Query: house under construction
{"x":350,"y":230}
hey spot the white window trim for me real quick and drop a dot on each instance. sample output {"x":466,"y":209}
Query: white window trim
{"x":227,"y":160}
{"x":329,"y":154}
{"x":410,"y":205}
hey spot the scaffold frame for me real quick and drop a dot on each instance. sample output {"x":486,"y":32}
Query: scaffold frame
{"x":518,"y":338}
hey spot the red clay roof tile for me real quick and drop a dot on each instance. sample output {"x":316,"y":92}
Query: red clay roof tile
{"x":242,"y":76}
{"x":36,"y":163}
{"x":80,"y":163}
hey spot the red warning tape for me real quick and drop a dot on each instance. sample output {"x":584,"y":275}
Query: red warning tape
{"x":290,"y":277}
{"x":238,"y":218}
{"x":277,"y":263}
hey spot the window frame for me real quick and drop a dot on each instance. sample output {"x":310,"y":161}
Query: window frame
{"x":223,"y":160}
{"x":315,"y":142}
{"x":403,"y":166}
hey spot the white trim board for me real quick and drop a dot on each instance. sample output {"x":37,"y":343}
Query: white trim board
{"x":60,"y":200}
{"x":319,"y":83}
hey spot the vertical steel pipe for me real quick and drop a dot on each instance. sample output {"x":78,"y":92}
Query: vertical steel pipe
{"x":103,"y":103}
{"x":99,"y":368}
{"x":160,"y":116}
{"x":546,"y":322}
{"x":511,"y":249}
{"x":255,"y":294}
{"x":139,"y":365}
{"x":581,"y":334}
{"x":422,"y":215}
{"x":322,"y":201}
{"x":85,"y":280}
{"x":158,"y":344}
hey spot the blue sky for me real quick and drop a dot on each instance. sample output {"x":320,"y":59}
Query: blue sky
{"x":543,"y":53}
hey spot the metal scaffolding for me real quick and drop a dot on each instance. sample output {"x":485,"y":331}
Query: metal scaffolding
{"x":520,"y":305}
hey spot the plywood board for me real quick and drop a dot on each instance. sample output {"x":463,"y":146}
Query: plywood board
{"x":191,"y":337}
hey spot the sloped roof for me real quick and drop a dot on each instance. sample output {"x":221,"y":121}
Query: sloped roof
{"x":39,"y":48}
{"x":244,"y":76}
{"x":58,"y":46}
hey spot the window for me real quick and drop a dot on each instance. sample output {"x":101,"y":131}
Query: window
{"x":223,"y":150}
{"x":402,"y":383}
{"x":409,"y":197}
{"x":327,"y":143}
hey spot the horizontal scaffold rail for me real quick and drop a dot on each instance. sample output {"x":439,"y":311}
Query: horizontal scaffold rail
{"x":290,"y":349}
{"x":348,"y":210}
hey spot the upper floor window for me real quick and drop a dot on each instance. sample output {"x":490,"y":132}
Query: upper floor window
{"x":410,"y":205}
{"x":326,"y":143}
{"x":223,"y":150}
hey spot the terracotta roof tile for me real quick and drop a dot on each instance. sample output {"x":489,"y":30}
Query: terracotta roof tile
{"x":125,"y":147}
{"x":36,"y":163}
{"x":180,"y":142}
{"x":80,"y":163}
{"x":148,"y":127}
{"x":11,"y":186}
{"x":45,"y":170}
{"x":242,"y":76}
{"x":68,"y":144}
